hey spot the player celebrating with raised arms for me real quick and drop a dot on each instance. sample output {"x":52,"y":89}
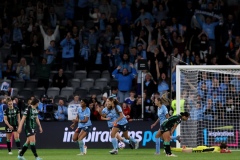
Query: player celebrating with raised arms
{"x":11,"y":120}
{"x":120,"y":123}
{"x":30,"y":121}
{"x":168,"y":127}
{"x":162,"y":116}
{"x":84,"y":124}
{"x":106,"y":114}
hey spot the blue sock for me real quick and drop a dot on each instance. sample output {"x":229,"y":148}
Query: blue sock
{"x":174,"y":137}
{"x":157,"y":145}
{"x":114,"y":143}
{"x":132,"y":139}
{"x":81,"y":146}
{"x":125,"y":141}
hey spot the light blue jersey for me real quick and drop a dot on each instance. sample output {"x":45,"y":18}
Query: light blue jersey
{"x":162,"y":112}
{"x":109,"y":114}
{"x":82,"y":114}
{"x":123,"y":121}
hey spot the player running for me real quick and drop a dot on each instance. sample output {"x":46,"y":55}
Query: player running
{"x":168,"y":127}
{"x":11,"y":120}
{"x":106,"y":114}
{"x":30,"y":121}
{"x":120,"y":123}
{"x":162,"y":116}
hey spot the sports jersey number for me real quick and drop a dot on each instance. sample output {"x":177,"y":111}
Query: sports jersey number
{"x":9,"y":130}
{"x":33,"y":130}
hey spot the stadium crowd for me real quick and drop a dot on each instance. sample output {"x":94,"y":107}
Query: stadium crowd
{"x":65,"y":50}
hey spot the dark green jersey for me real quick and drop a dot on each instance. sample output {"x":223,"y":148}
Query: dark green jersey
{"x":31,"y":115}
{"x":171,"y":121}
{"x":11,"y":115}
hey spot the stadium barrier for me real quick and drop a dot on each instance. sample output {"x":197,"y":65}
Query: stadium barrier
{"x":58,"y":135}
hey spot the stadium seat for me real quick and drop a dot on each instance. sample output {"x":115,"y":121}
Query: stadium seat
{"x":68,"y":74}
{"x":95,"y":90}
{"x":106,"y":74}
{"x":52,"y":92}
{"x":101,"y":82}
{"x":80,"y":74}
{"x":38,"y":92}
{"x":113,"y":83}
{"x":87,"y":83}
{"x":32,"y":83}
{"x":94,"y":74}
{"x":26,"y":93}
{"x":14,"y":58}
{"x":52,"y":74}
{"x":70,"y":98}
{"x":82,"y":92}
{"x":33,"y":68}
{"x":67,"y":91}
{"x":19,"y":84}
{"x":106,"y":90}
{"x":75,"y":83}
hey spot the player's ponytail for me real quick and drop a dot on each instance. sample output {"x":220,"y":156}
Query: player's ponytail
{"x":186,"y":114}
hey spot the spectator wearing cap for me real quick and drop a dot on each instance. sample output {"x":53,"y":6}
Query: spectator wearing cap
{"x":124,"y":82}
{"x":61,"y":113}
{"x":125,"y":63}
{"x":68,"y":44}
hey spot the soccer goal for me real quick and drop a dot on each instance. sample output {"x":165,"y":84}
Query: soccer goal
{"x":211,"y":94}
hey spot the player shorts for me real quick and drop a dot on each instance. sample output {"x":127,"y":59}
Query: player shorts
{"x":164,"y":128}
{"x":30,"y":132}
{"x":86,"y":129}
{"x":8,"y":130}
{"x":123,"y":128}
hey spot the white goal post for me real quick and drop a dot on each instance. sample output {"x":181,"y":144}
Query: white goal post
{"x":211,"y":93}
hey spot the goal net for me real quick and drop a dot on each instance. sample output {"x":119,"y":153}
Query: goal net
{"x":211,"y":94}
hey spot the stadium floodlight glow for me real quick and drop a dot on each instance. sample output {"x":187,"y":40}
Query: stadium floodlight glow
{"x":211,"y":95}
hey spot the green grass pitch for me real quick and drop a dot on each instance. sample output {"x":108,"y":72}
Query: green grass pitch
{"x":125,"y":154}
